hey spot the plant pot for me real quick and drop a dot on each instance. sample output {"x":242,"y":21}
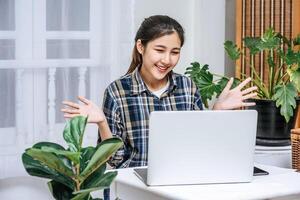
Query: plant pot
{"x":272,"y":130}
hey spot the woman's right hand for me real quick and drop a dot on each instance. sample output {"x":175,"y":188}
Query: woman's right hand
{"x":88,"y":108}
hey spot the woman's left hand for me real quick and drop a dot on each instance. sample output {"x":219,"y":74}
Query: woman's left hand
{"x":234,"y":98}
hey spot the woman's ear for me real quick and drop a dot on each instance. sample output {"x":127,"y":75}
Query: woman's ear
{"x":139,"y":46}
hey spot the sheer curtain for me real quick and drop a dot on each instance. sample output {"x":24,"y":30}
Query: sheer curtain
{"x":52,"y":50}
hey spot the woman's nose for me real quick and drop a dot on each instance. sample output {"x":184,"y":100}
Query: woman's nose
{"x":166,"y":59}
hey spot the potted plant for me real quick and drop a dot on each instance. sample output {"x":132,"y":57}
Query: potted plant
{"x":277,"y":98}
{"x":75,"y":171}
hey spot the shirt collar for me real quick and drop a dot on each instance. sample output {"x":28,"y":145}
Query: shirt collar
{"x":139,"y":86}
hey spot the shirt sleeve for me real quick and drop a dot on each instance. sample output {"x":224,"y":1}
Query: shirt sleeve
{"x":111,"y":111}
{"x":197,"y":105}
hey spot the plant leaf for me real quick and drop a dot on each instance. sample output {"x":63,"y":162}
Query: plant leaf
{"x":60,"y":191}
{"x":296,"y":40}
{"x":295,"y":77}
{"x":73,"y":156}
{"x":291,"y":57}
{"x":270,"y":39}
{"x":93,"y":179}
{"x":232,"y":50}
{"x":50,"y":160}
{"x":103,"y":183}
{"x":102,"y":154}
{"x":73,"y":132}
{"x":253,"y":44}
{"x":203,"y":80}
{"x":285,"y":99}
{"x":35,"y":168}
{"x":41,"y":145}
{"x":284,"y":39}
{"x":82,"y":196}
{"x":86,"y":155}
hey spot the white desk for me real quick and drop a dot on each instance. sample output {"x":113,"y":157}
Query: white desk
{"x":280,"y":182}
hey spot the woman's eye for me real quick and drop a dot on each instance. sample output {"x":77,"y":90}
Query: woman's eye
{"x":159,"y":50}
{"x":175,"y":52}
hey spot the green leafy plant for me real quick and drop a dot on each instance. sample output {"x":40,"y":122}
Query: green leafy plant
{"x":283,"y":63}
{"x":208,"y":83}
{"x":76,"y":171}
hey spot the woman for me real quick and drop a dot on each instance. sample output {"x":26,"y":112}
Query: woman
{"x":150,"y":84}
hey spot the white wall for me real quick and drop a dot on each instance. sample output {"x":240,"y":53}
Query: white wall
{"x":204,"y":24}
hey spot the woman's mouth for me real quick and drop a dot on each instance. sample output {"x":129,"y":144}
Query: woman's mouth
{"x":161,"y":68}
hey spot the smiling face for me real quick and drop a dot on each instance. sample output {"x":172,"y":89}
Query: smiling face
{"x":160,"y":56}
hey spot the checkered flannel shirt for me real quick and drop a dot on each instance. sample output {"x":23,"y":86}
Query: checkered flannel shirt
{"x":127,"y":105}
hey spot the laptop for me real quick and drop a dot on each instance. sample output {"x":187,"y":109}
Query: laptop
{"x":200,"y":147}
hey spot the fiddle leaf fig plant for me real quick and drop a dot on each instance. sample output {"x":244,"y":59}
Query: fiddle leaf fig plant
{"x":282,"y":62}
{"x":76,"y":171}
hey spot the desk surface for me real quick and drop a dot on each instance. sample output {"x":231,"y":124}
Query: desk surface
{"x":279,"y":182}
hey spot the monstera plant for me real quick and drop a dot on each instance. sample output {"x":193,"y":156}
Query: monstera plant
{"x":283,"y":64}
{"x":278,"y":98}
{"x":75,"y":171}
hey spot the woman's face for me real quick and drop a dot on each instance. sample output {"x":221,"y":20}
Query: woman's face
{"x":160,"y":56}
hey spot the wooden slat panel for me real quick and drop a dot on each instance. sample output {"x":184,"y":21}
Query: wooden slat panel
{"x":257,"y":32}
{"x":238,"y":38}
{"x":295,"y":32}
{"x":253,"y":18}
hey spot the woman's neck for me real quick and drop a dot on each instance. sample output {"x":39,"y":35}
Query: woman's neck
{"x":152,"y":83}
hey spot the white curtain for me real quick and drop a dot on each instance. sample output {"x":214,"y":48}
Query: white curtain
{"x":52,"y":50}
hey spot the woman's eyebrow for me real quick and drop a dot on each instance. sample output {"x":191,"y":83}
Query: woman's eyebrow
{"x":162,"y":46}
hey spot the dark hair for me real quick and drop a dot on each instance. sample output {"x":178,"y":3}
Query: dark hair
{"x":152,"y":28}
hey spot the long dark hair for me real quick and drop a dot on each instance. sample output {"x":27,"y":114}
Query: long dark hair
{"x":151,"y":28}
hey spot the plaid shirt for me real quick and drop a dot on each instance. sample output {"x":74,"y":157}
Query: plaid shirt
{"x":127,"y":105}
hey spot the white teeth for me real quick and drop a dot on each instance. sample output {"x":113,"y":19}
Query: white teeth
{"x":162,"y":68}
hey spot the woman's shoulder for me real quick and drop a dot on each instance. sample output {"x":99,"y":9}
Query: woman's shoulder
{"x":121,"y":85}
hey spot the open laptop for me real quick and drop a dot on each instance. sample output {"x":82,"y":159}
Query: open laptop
{"x":200,"y":147}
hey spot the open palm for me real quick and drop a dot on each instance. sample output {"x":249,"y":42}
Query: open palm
{"x":88,"y":108}
{"x":234,"y":98}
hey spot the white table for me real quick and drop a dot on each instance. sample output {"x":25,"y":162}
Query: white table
{"x":280,"y":182}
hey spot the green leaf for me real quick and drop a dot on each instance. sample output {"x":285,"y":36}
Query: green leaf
{"x":86,"y":155}
{"x":82,"y":196}
{"x":284,"y":39}
{"x":232,"y":50}
{"x":203,"y":80}
{"x":50,"y":160}
{"x":270,"y":40}
{"x":253,"y":44}
{"x":36,"y":168}
{"x":291,"y":57}
{"x":285,"y":99}
{"x":73,"y":132}
{"x":103,"y":183}
{"x":296,"y":41}
{"x":93,"y":179}
{"x":41,"y":145}
{"x":295,"y":77}
{"x":102,"y":154}
{"x":60,"y":191}
{"x":73,"y":156}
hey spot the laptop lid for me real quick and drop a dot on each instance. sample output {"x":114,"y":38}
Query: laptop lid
{"x":197,"y":147}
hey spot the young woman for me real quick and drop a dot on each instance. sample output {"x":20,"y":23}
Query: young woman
{"x":150,"y":84}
